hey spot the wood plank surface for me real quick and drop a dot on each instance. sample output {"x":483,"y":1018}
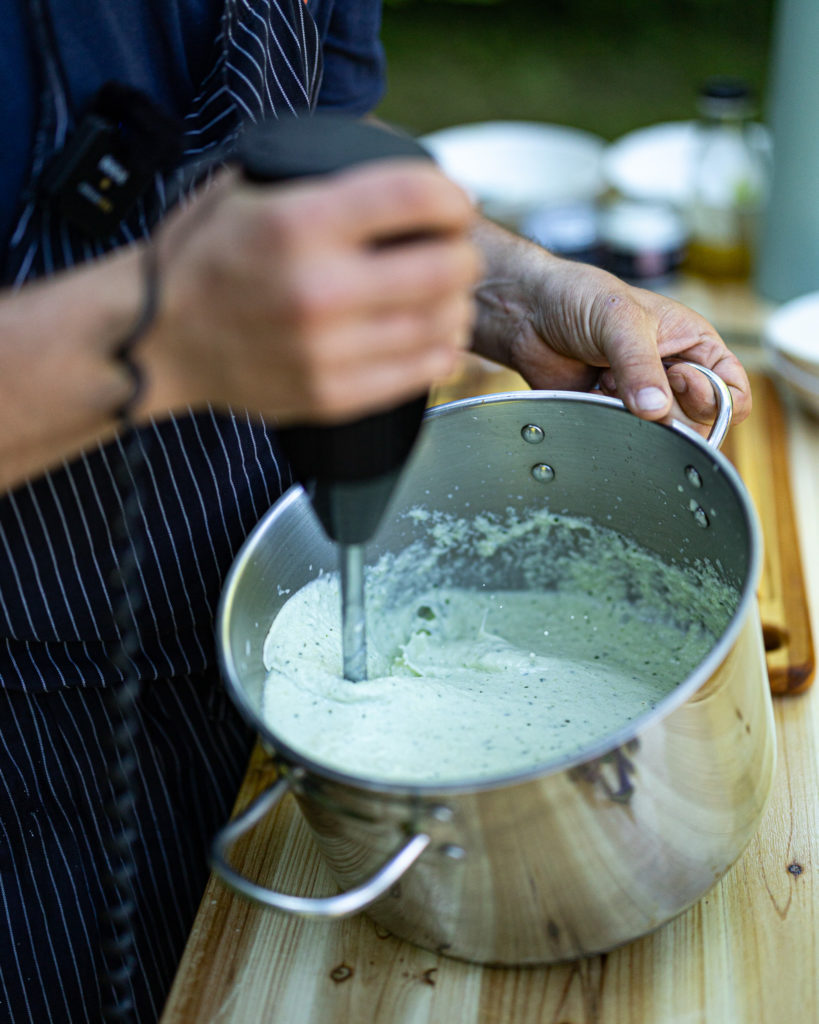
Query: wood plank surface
{"x":759,"y":450}
{"x":747,"y":953}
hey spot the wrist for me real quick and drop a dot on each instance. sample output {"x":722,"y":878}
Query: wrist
{"x":125,"y":350}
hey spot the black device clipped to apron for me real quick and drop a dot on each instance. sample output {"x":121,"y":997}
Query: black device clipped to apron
{"x":349,"y":471}
{"x":120,"y":143}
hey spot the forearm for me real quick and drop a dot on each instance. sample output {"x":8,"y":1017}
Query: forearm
{"x":562,"y":324}
{"x":523,"y":301}
{"x":275,"y":300}
{"x":60,"y":385}
{"x":502,"y":300}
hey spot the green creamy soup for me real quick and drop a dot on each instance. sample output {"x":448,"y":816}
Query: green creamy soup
{"x":471,"y":682}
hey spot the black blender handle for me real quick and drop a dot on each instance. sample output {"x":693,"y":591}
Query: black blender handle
{"x":299,"y":147}
{"x":349,"y":469}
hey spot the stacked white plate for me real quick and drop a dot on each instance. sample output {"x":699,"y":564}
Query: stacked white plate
{"x":512,"y":168}
{"x":656,"y":164}
{"x":791,"y":337}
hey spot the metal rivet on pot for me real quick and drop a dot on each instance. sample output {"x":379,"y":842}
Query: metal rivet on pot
{"x":452,"y":851}
{"x":693,"y":476}
{"x":532,"y":434}
{"x":699,"y":513}
{"x":442,"y":813}
{"x":542,"y":473}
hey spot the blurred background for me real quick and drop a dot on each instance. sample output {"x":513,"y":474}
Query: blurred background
{"x":673,"y":142}
{"x":607,"y":66}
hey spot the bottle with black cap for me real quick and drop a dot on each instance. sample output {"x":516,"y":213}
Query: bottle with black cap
{"x":728,"y":186}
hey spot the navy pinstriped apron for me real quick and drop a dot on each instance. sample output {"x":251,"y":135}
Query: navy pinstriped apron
{"x":207,"y":480}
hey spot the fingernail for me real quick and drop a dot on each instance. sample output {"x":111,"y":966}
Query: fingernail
{"x":678,"y":384}
{"x":650,"y":399}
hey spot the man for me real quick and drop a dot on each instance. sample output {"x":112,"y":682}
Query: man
{"x":272,"y":306}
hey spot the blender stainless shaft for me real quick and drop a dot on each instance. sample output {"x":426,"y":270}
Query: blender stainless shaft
{"x":353,"y":612}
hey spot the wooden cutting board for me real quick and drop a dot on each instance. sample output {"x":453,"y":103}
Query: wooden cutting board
{"x":758,"y":449}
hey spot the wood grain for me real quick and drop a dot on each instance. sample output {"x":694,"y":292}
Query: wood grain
{"x":759,"y":450}
{"x":747,"y":953}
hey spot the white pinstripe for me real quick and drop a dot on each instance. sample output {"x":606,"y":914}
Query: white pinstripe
{"x":79,"y":573}
{"x":21,"y":971}
{"x":212,"y":470}
{"x":257,"y":512}
{"x":148,"y":535}
{"x":50,"y":547}
{"x":264,"y":72}
{"x":202,"y":506}
{"x":18,"y":581}
{"x":39,"y":899}
{"x":21,"y":679}
{"x":34,"y":566}
{"x":83,"y":517}
{"x":230,"y":480}
{"x":270,"y":36}
{"x":186,"y":521}
{"x":261,"y":473}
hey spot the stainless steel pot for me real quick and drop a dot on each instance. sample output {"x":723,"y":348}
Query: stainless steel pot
{"x":572,"y":857}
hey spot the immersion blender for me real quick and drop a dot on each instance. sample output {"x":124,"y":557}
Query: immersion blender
{"x":349,"y":471}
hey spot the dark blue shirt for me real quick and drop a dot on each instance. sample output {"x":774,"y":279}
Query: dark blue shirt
{"x":165,"y":48}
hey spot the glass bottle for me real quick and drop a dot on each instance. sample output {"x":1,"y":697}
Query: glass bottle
{"x":729,"y":178}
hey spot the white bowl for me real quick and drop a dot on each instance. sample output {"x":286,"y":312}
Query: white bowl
{"x":513,"y":167}
{"x":804,"y":385}
{"x":655,"y":164}
{"x":793,"y":331}
{"x":791,"y":338}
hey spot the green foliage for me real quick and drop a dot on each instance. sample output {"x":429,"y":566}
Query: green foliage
{"x":408,"y":3}
{"x":603,"y":66}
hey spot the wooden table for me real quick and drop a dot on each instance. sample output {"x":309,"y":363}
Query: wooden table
{"x":747,"y":953}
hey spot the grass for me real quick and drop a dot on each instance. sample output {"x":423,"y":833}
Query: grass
{"x":597,"y":65}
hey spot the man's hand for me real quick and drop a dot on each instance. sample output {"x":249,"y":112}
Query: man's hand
{"x":286,"y":300}
{"x":567,"y":325}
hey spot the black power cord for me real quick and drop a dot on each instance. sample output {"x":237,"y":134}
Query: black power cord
{"x":116,"y":923}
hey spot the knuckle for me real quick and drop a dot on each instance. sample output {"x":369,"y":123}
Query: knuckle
{"x":410,"y":187}
{"x":273,"y":225}
{"x":301,"y":300}
{"x":426,"y":194}
{"x":289,"y":217}
{"x":316,"y":293}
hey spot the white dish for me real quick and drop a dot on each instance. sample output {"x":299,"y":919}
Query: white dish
{"x":793,"y":331}
{"x":514,"y":167}
{"x":655,"y":163}
{"x":805,"y":386}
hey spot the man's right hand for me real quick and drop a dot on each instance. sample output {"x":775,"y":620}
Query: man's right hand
{"x":283,"y":299}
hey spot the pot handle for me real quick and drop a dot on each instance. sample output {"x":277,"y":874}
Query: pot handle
{"x":725,"y":403}
{"x":343,"y":904}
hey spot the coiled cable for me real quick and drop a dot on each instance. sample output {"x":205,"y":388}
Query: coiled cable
{"x":116,"y":923}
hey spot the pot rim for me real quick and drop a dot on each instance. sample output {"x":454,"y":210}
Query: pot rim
{"x":287,"y":755}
